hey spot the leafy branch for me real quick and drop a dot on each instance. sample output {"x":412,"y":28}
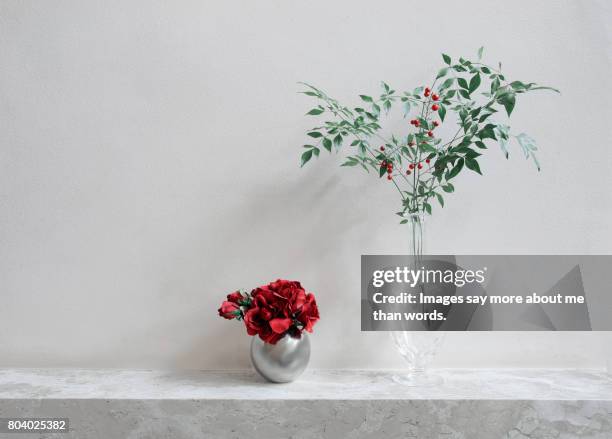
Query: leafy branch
{"x":420,"y":164}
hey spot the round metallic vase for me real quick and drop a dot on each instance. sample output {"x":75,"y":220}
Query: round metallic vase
{"x":282,"y":362}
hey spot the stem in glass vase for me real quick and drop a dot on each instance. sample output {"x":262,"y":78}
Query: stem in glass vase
{"x":418,"y":348}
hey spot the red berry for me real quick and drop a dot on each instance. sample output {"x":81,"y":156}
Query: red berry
{"x":427,"y":161}
{"x":408,"y":171}
{"x":389,"y":177}
{"x":436,"y":123}
{"x":435,"y":107}
{"x":426,"y":94}
{"x":420,"y":166}
{"x":430,"y":133}
{"x":389,"y":170}
{"x":435,"y":97}
{"x":382,"y":148}
{"x":411,"y":166}
{"x":417,"y":123}
{"x":410,"y":143}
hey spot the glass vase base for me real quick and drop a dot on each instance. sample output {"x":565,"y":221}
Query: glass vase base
{"x":417,"y":379}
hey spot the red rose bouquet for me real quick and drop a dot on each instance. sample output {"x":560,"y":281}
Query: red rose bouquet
{"x":273,"y":311}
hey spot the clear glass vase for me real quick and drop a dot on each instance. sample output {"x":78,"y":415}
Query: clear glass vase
{"x":418,"y":348}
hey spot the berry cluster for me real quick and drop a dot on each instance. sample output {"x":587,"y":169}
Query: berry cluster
{"x":388,"y":165}
{"x":422,"y":124}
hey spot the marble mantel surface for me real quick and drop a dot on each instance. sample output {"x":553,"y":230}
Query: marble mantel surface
{"x":457,"y":384}
{"x":469,"y":404}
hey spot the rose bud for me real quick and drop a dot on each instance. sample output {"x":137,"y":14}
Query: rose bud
{"x":235,"y":297}
{"x":229,"y":310}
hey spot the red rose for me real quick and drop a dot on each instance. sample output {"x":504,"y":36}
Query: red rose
{"x":229,"y":310}
{"x":273,"y":311}
{"x":309,"y":313}
{"x":235,"y":297}
{"x":253,"y":321}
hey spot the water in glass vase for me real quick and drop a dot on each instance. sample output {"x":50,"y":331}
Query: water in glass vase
{"x":417,"y":348}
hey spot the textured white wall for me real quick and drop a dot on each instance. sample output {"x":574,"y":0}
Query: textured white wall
{"x":148,"y":166}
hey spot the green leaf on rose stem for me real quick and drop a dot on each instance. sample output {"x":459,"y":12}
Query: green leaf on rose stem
{"x":327,"y":144}
{"x":474,"y":83}
{"x":480,"y":144}
{"x":316,"y":111}
{"x":442,"y":112}
{"x":508,"y":100}
{"x":306,"y":156}
{"x":440,"y":199}
{"x":427,"y":208}
{"x":315,"y":134}
{"x":366,"y":98}
{"x":446,"y":58}
{"x":404,"y":221}
{"x":456,"y":169}
{"x":473,"y":165}
{"x":309,"y":93}
{"x":463,"y":83}
{"x":480,"y":53}
{"x":316,"y":151}
{"x":485,"y":70}
{"x":448,"y":188}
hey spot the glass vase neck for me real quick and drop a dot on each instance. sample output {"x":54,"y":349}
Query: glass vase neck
{"x":416,"y":234}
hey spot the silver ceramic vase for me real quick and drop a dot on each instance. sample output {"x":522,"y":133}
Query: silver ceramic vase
{"x":281,"y":362}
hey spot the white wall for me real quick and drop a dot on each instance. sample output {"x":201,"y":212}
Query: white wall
{"x":149,"y":165}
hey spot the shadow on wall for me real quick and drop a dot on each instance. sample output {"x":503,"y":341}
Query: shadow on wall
{"x":286,"y":229}
{"x":282,"y":230}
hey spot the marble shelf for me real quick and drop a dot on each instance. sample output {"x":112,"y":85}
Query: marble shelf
{"x":468,"y":404}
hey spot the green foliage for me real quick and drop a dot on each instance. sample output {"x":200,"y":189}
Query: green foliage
{"x":470,"y":95}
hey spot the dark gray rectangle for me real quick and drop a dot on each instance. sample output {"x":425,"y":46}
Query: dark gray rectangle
{"x":34,"y":425}
{"x":486,"y":293}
